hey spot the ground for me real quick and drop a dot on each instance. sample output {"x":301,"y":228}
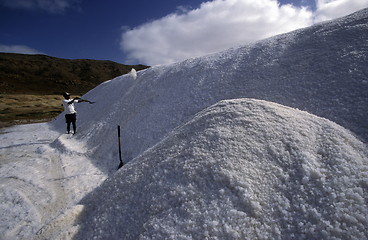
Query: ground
{"x":25,"y":108}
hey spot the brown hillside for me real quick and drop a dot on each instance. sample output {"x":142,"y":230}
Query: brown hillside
{"x":31,"y":86}
{"x":41,"y":74}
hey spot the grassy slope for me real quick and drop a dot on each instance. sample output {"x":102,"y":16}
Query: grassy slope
{"x":27,"y":108}
{"x":31,"y":85}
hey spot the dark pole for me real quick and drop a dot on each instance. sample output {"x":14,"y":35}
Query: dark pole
{"x":121,"y":161}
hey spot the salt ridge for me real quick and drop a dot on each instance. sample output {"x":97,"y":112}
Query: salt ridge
{"x":320,"y":69}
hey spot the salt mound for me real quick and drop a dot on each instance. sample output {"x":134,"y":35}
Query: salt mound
{"x":240,"y":169}
{"x":321,"y":69}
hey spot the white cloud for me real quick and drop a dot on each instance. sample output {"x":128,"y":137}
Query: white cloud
{"x":52,"y":6}
{"x":220,"y":24}
{"x":18,"y":49}
{"x":213,"y":27}
{"x":330,"y":9}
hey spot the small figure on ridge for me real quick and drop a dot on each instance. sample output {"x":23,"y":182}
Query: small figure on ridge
{"x":70,"y":113}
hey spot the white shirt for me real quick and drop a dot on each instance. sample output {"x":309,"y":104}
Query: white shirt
{"x":69,"y":108}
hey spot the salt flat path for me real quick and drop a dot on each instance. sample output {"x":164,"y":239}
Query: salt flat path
{"x":43,"y":174}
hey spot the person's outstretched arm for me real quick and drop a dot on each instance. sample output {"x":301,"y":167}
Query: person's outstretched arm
{"x":84,"y":100}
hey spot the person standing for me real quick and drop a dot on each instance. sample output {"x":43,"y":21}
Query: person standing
{"x":70,"y":113}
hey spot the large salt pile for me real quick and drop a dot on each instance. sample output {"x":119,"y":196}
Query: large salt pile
{"x":241,"y":169}
{"x":321,"y":69}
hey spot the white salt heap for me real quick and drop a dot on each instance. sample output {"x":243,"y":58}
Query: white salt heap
{"x":241,"y":169}
{"x":210,"y":149}
{"x":321,"y":69}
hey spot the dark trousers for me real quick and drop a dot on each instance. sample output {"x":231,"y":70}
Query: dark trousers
{"x":71,"y":119}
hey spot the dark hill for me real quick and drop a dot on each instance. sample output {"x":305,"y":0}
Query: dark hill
{"x":41,"y":74}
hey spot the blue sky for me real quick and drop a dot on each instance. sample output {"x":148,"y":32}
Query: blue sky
{"x":153,"y":32}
